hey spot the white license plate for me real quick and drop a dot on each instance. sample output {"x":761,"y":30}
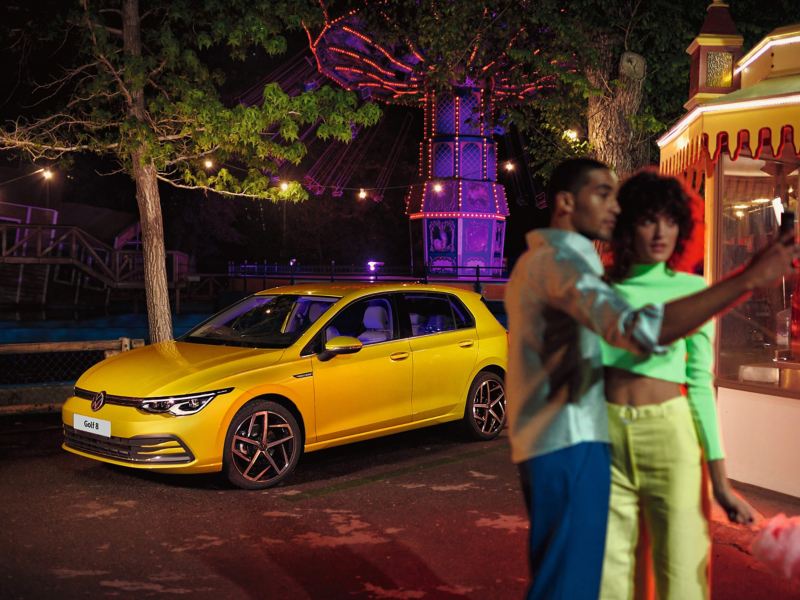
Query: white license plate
{"x":91,"y":425}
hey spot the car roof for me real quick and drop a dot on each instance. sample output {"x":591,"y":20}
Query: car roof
{"x":355,"y":289}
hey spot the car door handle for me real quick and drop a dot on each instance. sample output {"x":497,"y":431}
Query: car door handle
{"x":466,"y":344}
{"x":399,"y":355}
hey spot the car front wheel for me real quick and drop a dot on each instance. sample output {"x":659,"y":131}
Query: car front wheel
{"x":262,"y":446}
{"x":485,"y":412}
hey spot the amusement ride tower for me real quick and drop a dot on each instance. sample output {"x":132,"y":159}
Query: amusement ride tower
{"x":459,"y":210}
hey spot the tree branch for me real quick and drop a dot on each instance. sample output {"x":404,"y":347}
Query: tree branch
{"x":185,"y":186}
{"x":40,"y":150}
{"x":111,"y":30}
{"x":190,"y":157}
{"x":101,"y":57}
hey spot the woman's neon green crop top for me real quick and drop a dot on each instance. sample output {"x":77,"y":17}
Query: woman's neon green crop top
{"x":689,"y":360}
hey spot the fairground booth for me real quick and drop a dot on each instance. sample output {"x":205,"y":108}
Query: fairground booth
{"x":738,"y":146}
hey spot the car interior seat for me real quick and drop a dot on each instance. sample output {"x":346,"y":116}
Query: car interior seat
{"x":316,"y":310}
{"x":435,"y":323}
{"x":376,"y":323}
{"x":416,"y":323}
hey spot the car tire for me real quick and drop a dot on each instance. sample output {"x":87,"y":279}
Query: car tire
{"x":255,"y":460}
{"x":485,"y":411}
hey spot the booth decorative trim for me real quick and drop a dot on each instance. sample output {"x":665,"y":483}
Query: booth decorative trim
{"x":697,"y":141}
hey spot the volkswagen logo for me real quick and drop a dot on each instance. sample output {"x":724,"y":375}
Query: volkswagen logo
{"x":98,"y":401}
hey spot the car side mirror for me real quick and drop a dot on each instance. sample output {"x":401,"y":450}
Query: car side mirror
{"x":341,"y":344}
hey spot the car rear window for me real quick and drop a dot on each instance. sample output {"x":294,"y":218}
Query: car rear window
{"x":434,"y":313}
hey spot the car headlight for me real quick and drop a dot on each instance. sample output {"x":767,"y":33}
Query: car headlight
{"x":179,"y":406}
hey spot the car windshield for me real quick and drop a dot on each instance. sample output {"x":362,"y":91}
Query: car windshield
{"x":262,"y":321}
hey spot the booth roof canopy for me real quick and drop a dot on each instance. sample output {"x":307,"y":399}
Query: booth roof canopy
{"x":764,"y":115}
{"x":767,"y":88}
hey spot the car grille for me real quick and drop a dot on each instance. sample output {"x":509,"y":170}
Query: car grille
{"x":110,"y":398}
{"x":156,"y":449}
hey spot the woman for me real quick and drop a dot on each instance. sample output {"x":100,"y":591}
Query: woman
{"x":656,"y":432}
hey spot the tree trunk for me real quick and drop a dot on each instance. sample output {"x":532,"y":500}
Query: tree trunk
{"x":155,"y":261}
{"x":147,"y":196}
{"x":609,"y":114}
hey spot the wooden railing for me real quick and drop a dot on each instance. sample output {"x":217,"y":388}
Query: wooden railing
{"x":64,"y":245}
{"x":109,"y":347}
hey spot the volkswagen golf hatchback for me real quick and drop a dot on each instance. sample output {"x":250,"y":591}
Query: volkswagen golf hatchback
{"x":290,"y":370}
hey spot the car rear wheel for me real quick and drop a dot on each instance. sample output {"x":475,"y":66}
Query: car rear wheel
{"x":262,"y":446}
{"x":485,"y":412}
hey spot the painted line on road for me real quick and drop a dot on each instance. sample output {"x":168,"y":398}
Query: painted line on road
{"x":354,"y":483}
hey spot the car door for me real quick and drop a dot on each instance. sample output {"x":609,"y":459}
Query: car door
{"x":444,"y":347}
{"x":368,"y":390}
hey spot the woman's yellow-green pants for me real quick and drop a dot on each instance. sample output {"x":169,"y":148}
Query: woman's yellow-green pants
{"x":656,"y":469}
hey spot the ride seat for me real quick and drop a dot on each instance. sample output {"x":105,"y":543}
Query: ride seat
{"x":376,"y":322}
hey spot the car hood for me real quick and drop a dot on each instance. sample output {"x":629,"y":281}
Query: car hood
{"x":174,"y":368}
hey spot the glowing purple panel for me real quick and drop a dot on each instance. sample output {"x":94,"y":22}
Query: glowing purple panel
{"x":442,"y":235}
{"x":444,"y":201}
{"x":477,"y":197}
{"x":469,"y":114}
{"x":471,"y":161}
{"x":499,"y":240}
{"x":442,"y":160}
{"x":445,"y":114}
{"x":478,"y":238}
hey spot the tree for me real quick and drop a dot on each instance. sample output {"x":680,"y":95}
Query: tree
{"x":586,"y":57}
{"x":630,"y":72}
{"x":134,"y":82}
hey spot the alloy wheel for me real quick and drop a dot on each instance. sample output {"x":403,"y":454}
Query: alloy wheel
{"x":263,"y":446}
{"x":489,"y":406}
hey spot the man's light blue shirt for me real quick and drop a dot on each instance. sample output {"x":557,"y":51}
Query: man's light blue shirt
{"x":558,"y":309}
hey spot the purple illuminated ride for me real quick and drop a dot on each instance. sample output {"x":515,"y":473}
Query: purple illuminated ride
{"x":459,"y":210}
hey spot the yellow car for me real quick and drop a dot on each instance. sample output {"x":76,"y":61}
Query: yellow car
{"x":290,"y":370}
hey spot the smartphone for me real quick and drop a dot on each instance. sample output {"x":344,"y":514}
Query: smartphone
{"x":787,"y":225}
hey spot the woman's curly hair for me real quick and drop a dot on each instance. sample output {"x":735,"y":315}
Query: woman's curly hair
{"x":644,"y":195}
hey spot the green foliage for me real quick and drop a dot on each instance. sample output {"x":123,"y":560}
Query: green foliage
{"x":463,"y":41}
{"x":183,"y":117}
{"x":586,"y":35}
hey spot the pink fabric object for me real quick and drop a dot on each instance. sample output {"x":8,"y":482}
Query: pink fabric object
{"x":778,"y":545}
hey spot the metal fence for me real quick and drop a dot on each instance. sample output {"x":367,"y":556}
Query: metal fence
{"x":40,"y":376}
{"x":373,"y":271}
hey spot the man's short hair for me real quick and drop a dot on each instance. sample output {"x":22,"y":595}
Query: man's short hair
{"x":570,"y":176}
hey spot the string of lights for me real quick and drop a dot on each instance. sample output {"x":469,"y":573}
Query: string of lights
{"x":363,"y":192}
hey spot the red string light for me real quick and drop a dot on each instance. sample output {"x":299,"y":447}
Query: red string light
{"x":456,"y":215}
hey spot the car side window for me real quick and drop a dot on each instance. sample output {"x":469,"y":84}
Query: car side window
{"x":370,"y":320}
{"x":429,"y":313}
{"x":464,"y":318}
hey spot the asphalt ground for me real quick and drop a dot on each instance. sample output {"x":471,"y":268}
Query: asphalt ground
{"x":423,"y":514}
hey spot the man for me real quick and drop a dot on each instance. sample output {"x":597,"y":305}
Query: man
{"x":558,"y":307}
